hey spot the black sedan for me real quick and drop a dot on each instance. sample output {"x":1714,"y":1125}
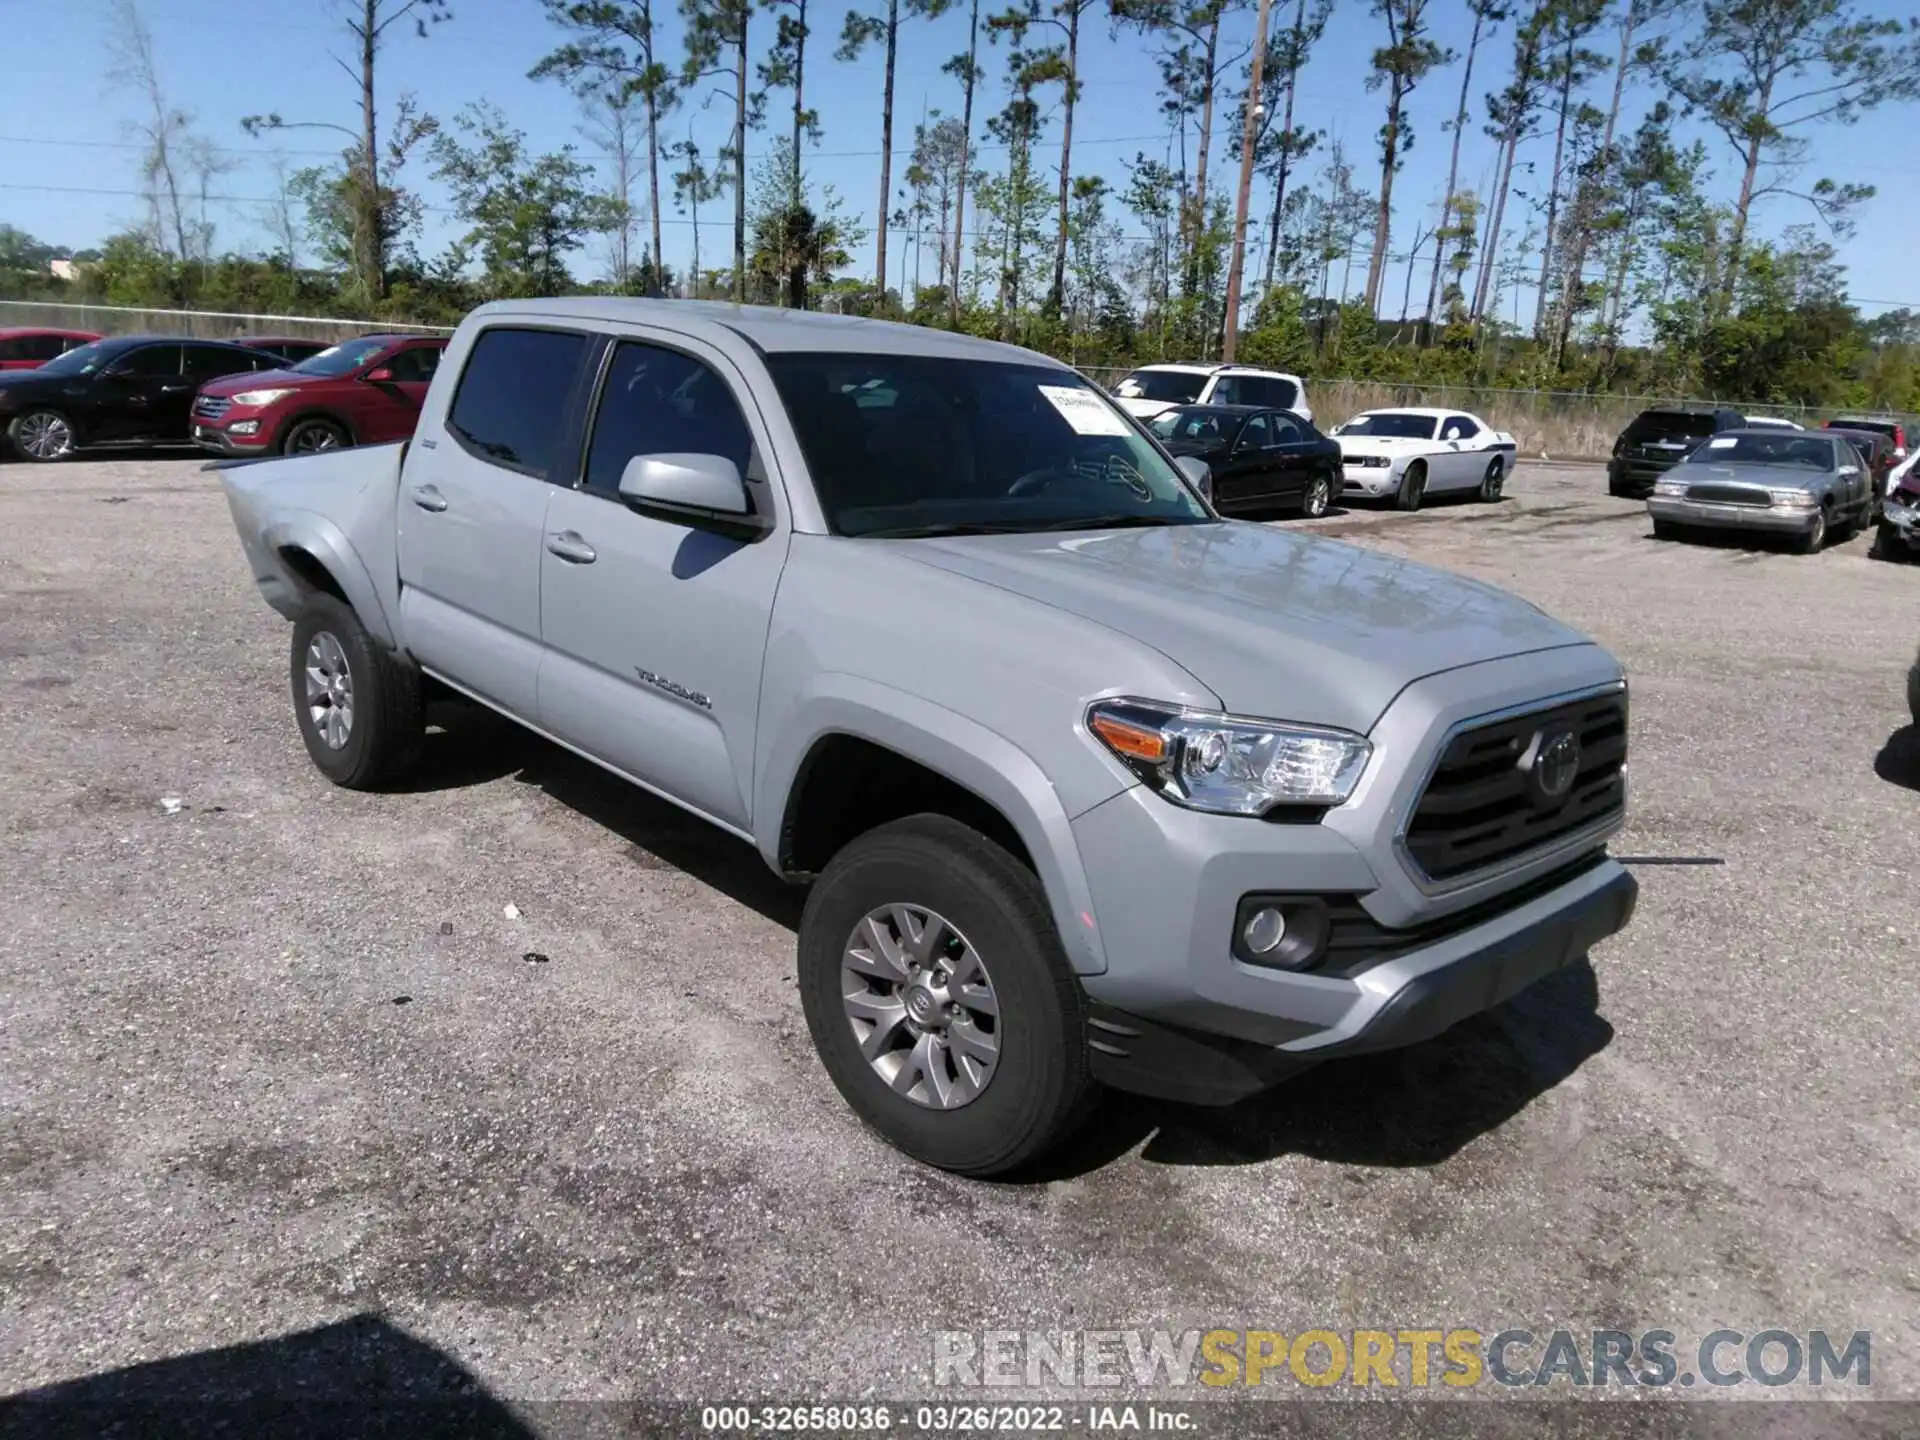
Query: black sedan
{"x":1259,"y":457}
{"x":125,"y":390}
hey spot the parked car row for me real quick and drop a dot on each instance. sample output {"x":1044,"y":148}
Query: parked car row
{"x":252,"y":395}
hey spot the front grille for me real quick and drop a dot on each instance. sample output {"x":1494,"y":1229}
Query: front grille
{"x":1480,"y":807}
{"x":1729,"y":494}
{"x":211,"y":407}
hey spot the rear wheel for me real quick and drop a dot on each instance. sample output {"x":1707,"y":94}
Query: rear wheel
{"x":357,"y":703}
{"x":1413,"y":485}
{"x":309,"y":437}
{"x":1318,"y":497}
{"x":1494,"y":481}
{"x":42,"y":436}
{"x":939,"y":999}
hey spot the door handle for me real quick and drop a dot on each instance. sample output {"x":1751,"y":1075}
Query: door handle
{"x":428,"y":497}
{"x":568,"y":545}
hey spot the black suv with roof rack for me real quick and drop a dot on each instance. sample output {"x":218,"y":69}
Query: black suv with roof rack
{"x":1658,"y":439}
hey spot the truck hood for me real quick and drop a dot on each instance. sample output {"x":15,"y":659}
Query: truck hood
{"x":261,"y":380}
{"x":1284,"y":626}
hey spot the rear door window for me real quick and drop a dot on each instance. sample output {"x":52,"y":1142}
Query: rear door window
{"x":210,"y":362}
{"x":512,"y":406}
{"x":150,"y":361}
{"x":1652,"y":426}
{"x":1269,"y":390}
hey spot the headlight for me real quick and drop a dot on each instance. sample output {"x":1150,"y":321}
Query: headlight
{"x":1669,"y":487}
{"x":1796,"y":499}
{"x":260,"y":397}
{"x":1228,"y":765}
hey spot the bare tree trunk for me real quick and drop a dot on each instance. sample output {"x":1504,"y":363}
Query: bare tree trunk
{"x":1737,"y":238}
{"x":886,"y":151}
{"x":1490,"y":250}
{"x":653,"y":187}
{"x":1553,"y":195}
{"x":966,"y":164}
{"x":373,"y":251}
{"x":1286,"y":140}
{"x":1056,"y":297}
{"x":1198,"y":223}
{"x":740,"y":165}
{"x":1383,"y":220}
{"x":1453,"y":166}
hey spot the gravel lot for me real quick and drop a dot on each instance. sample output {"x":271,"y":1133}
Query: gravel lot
{"x":276,"y":1061}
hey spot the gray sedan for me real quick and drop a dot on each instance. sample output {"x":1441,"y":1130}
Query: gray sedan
{"x":1806,"y":486}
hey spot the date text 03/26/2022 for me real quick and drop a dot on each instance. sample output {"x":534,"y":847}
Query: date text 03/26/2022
{"x":962,"y":1419}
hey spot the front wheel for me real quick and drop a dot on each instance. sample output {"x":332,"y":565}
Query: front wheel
{"x":1665,"y":530}
{"x":1318,"y":497}
{"x":1413,"y":486}
{"x":358,"y":704}
{"x":1494,"y":481}
{"x":310,"y":437}
{"x":939,"y":998}
{"x":42,"y":436}
{"x":1810,"y":543}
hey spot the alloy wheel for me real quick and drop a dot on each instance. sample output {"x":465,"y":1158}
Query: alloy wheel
{"x":329,"y":690}
{"x":311,"y":439}
{"x":921,"y":1005}
{"x":1319,"y":491}
{"x":45,"y":436}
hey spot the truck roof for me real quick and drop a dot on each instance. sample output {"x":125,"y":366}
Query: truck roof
{"x":771,"y":328}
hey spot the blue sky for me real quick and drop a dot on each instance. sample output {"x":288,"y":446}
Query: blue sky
{"x":222,"y":60}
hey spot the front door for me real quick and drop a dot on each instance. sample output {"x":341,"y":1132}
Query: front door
{"x":1245,"y":475}
{"x":388,"y":410}
{"x":655,"y":631}
{"x":473,"y":499}
{"x":1293,"y":456}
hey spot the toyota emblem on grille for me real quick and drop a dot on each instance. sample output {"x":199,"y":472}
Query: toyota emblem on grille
{"x":1552,"y":762}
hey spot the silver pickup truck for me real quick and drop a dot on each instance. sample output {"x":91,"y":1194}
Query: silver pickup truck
{"x":1089,"y":785}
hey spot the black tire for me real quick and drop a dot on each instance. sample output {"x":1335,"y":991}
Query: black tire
{"x":1886,"y":542}
{"x":1493,"y":483}
{"x":1666,"y":530}
{"x":1413,"y":485}
{"x":1913,"y":692}
{"x":386,"y":724}
{"x":313,"y":435}
{"x":1040,"y":1087}
{"x":26,"y":428}
{"x":1810,"y":543}
{"x":1318,"y":497}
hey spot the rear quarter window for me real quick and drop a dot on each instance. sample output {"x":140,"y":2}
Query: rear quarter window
{"x":513,"y":406}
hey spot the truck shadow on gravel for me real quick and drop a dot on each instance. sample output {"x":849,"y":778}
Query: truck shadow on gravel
{"x":1409,"y":1107}
{"x":358,"y":1376}
{"x":1898,"y":762}
{"x":1397,"y":1109}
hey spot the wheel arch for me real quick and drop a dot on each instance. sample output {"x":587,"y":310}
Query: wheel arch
{"x":314,"y":557}
{"x":861,"y":754}
{"x":312,"y":412}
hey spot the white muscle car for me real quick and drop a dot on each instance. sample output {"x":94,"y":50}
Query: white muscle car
{"x":1416,"y":451}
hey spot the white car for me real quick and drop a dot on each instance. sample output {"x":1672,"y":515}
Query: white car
{"x":1416,"y":451}
{"x":1152,"y":389}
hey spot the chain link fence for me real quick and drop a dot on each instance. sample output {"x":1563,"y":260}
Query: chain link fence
{"x":1550,"y":424}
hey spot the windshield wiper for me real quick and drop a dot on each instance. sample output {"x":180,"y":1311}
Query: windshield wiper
{"x":957,"y":527}
{"x":1114,"y":522}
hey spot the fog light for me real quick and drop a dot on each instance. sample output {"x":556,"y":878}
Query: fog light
{"x":245,"y":427}
{"x":1264,"y":931}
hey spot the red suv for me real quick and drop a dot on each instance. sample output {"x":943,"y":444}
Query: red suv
{"x":361,"y":392}
{"x":28,"y":347}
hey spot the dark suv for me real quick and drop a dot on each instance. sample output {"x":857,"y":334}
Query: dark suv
{"x":1659,"y":439}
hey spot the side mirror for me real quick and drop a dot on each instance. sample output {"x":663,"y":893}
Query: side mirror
{"x":380,"y":375}
{"x":1199,"y":473}
{"x":694,"y":489}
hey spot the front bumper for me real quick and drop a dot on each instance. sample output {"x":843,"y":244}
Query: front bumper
{"x":1369,"y":480}
{"x":1176,"y":1013}
{"x":1778,"y":519}
{"x":1901,"y":524}
{"x":221,"y":441}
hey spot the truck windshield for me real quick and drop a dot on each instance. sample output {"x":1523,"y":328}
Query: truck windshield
{"x":926,"y":445}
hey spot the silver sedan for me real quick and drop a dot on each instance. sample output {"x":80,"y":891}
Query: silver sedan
{"x":1807,"y":486}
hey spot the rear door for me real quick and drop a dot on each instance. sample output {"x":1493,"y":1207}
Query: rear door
{"x":201,"y":364}
{"x":473,"y":498}
{"x":656,"y":631}
{"x":131,"y":400}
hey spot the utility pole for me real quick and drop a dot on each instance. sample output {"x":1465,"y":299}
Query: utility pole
{"x":1230,"y":334}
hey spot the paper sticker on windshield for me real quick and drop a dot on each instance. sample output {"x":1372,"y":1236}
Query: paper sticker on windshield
{"x":1086,"y":412}
{"x":1723,"y":442}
